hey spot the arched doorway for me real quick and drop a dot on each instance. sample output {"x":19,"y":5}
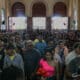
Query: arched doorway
{"x":39,"y":10}
{"x":18,"y":9}
{"x":60,"y":9}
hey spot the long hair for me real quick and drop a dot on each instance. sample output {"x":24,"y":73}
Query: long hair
{"x":50,"y":51}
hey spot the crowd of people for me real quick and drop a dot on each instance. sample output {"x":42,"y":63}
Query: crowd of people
{"x":40,"y":55}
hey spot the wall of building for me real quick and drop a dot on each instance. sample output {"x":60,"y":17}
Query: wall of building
{"x":29,"y":3}
{"x":7,"y":5}
{"x":79,"y":14}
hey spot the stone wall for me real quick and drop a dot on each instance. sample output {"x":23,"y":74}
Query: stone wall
{"x":7,"y":4}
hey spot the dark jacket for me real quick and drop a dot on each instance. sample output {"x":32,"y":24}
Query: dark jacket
{"x":31,"y":60}
{"x":2,"y":54}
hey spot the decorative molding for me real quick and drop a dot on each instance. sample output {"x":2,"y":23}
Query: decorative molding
{"x":36,"y":1}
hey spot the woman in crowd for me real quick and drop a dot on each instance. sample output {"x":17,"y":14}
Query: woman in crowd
{"x":62,"y":51}
{"x":48,"y":69}
{"x":12,"y":58}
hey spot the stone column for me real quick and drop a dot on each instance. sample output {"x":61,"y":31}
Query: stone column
{"x":0,"y":13}
{"x":3,"y":14}
{"x":78,"y":14}
{"x":8,"y":13}
{"x":70,"y":13}
{"x":73,"y":13}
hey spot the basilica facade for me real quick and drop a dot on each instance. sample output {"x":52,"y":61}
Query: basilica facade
{"x":41,"y":8}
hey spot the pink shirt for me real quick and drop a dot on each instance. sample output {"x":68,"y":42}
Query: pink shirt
{"x":50,"y":70}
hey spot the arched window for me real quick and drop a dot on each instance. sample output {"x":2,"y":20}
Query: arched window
{"x":39,"y":10}
{"x":60,"y":9}
{"x":18,"y":9}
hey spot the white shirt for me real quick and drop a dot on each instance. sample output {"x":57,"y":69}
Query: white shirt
{"x":72,"y":55}
{"x":56,"y":56}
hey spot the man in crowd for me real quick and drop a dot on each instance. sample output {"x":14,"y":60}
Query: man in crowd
{"x":72,"y":61}
{"x":31,"y":60}
{"x":41,"y":45}
{"x":2,"y":54}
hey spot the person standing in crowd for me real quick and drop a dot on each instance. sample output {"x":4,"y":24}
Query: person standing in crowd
{"x":12,"y":40}
{"x":2,"y":54}
{"x":12,"y":58}
{"x":37,"y":39}
{"x":62,"y":50}
{"x":40,"y":45}
{"x":31,"y":60}
{"x":26,"y":38}
{"x":19,"y":43}
{"x":48,"y":69}
{"x":56,"y":55}
{"x":12,"y":73}
{"x":51,"y":44}
{"x":72,"y":62}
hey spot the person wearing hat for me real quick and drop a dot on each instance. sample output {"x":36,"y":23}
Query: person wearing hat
{"x":12,"y":58}
{"x":70,"y":59}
